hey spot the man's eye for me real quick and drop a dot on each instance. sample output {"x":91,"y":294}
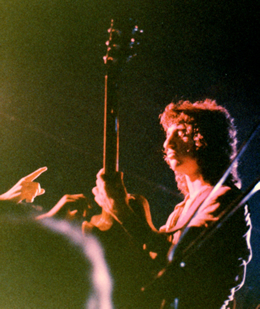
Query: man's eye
{"x":181,"y":133}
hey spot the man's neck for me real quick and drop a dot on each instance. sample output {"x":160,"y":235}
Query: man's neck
{"x":196,"y":185}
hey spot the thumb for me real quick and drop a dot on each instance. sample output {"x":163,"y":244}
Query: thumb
{"x":42,"y":191}
{"x":72,"y":212}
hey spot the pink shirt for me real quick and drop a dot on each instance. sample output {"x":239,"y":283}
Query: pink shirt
{"x":183,"y":213}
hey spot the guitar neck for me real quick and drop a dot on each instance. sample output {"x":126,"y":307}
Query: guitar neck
{"x":120,"y":50}
{"x":111,"y":127}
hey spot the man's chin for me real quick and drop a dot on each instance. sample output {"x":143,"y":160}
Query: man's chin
{"x":174,"y":164}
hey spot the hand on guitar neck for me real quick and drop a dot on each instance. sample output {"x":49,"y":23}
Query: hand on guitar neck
{"x":110,"y":194}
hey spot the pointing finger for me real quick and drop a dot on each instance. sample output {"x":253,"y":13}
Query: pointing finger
{"x":42,"y":191}
{"x":35,"y":174}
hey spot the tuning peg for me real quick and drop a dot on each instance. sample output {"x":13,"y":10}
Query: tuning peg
{"x":112,"y":46}
{"x":114,"y":31}
{"x":109,"y":59}
{"x":136,"y":29}
{"x":130,"y":57}
{"x":132,"y":42}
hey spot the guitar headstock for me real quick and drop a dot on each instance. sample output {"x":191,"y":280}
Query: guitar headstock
{"x":122,"y":44}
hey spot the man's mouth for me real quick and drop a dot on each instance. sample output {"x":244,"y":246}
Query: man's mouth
{"x":171,"y":154}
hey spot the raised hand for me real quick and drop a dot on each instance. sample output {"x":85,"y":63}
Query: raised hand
{"x":70,"y":206}
{"x":25,"y":189}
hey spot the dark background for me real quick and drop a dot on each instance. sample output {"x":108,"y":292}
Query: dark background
{"x":52,"y":89}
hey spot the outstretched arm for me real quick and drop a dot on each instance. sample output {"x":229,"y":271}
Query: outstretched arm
{"x":70,"y":206}
{"x":25,"y":189}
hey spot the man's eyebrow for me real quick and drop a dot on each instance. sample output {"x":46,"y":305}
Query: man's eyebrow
{"x":181,"y":126}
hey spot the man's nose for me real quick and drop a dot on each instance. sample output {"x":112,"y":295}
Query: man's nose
{"x":169,"y":142}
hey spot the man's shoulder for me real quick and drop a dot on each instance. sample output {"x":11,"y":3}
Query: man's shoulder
{"x":224,"y":194}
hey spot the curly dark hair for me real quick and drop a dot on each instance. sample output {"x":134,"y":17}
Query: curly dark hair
{"x":213,"y":133}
